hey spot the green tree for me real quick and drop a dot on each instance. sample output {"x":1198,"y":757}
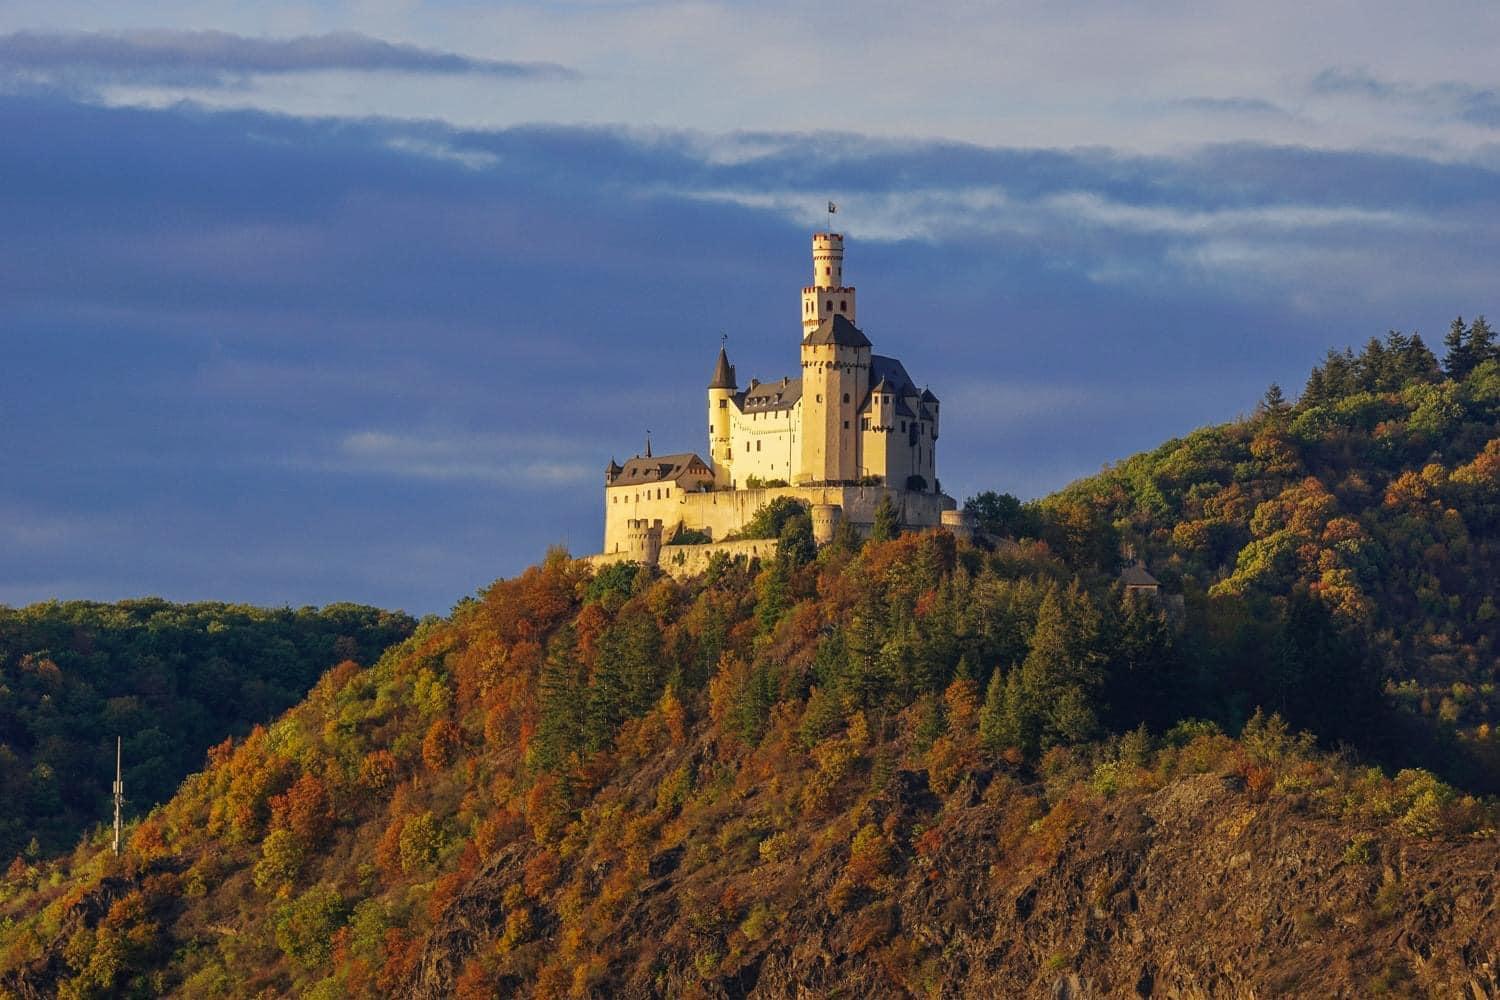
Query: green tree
{"x":794,"y":546}
{"x":1001,"y":515}
{"x":1456,"y":360}
{"x":1061,"y":676}
{"x":1481,"y":342}
{"x":561,"y":703}
{"x":1274,"y":403}
{"x":887,"y":521}
{"x":304,"y":927}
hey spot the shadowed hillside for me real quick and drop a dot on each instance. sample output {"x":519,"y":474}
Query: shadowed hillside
{"x":170,"y":679}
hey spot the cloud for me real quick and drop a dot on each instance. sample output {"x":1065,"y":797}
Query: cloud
{"x":1457,"y":100}
{"x":1230,"y":105}
{"x":214,"y":59}
{"x":524,"y":460}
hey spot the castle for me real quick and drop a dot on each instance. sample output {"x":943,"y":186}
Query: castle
{"x":850,"y":431}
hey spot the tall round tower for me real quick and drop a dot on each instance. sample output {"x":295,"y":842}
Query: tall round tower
{"x":721,"y":390}
{"x":827,"y":296}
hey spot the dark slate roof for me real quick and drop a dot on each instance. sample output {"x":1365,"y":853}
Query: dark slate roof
{"x":1136,"y":576}
{"x":837,"y":330}
{"x":928,"y":397}
{"x":889,"y":375}
{"x":763,"y":397}
{"x":660,"y":469}
{"x":723,"y":373}
{"x":893,"y":371}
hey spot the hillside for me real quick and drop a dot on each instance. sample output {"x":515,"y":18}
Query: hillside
{"x":170,"y":679}
{"x":908,"y":767}
{"x":1377,"y":496}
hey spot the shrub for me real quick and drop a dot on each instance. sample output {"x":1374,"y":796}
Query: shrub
{"x":1361,"y":850}
{"x":777,"y":847}
{"x":378,"y":771}
{"x":304,"y":927}
{"x":281,"y":859}
{"x":441,"y":745}
{"x":422,"y":841}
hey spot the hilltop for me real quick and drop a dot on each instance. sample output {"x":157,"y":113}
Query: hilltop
{"x":907,"y":765}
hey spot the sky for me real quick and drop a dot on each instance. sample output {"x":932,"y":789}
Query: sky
{"x":326,"y":301}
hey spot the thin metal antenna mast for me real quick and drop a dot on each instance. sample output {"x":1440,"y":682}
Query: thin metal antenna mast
{"x":119,"y":795}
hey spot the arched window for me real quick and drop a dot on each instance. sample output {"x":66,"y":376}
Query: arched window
{"x":846,"y":397}
{"x":830,"y":305}
{"x":843,"y":305}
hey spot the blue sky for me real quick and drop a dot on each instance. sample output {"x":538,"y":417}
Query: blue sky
{"x":327,"y":301}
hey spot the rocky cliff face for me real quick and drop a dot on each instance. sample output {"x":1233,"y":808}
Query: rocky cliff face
{"x":1191,"y":891}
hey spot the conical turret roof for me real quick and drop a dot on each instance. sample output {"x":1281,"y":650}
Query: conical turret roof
{"x":723,"y":373}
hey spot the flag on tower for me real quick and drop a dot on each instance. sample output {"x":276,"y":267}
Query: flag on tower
{"x":832,"y":208}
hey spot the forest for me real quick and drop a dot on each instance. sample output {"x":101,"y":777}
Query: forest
{"x":908,"y":764}
{"x":170,"y":680}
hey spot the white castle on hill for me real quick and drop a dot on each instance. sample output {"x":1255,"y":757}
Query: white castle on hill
{"x":852,"y":430}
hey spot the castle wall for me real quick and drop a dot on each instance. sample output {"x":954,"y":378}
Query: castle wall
{"x":626,"y":503}
{"x":690,"y":560}
{"x":763,"y":444}
{"x":723,"y":512}
{"x":856,"y":504}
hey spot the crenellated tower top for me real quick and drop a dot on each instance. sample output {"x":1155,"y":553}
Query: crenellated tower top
{"x":827,"y":296}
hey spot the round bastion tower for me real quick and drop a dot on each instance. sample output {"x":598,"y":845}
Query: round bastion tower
{"x":827,"y":295}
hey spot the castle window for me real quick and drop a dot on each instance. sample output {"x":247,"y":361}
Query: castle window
{"x":827,"y":270}
{"x":846,"y":397}
{"x":843,"y":305}
{"x":723,"y":403}
{"x":820,"y":397}
{"x":830,"y":305}
{"x":757,"y":446}
{"x":846,"y":425}
{"x":903,"y":426}
{"x":864,"y":424}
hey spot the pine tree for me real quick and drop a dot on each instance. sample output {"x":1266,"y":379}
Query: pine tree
{"x":604,"y":706}
{"x":772,"y":596}
{"x":1060,"y":676}
{"x":1274,"y":403}
{"x":1373,"y":366}
{"x":887,"y":523}
{"x":560,"y":718}
{"x":992,"y":727}
{"x":862,"y":644}
{"x":931,"y":723}
{"x":1458,"y":360}
{"x":1315,"y":392}
{"x":1481,"y":342}
{"x":638,"y":646}
{"x":1419,"y":363}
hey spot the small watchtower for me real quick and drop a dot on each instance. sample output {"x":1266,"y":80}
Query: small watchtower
{"x":827,"y":296}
